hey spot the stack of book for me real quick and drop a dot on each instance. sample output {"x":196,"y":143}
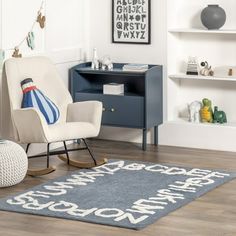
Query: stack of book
{"x":135,"y":67}
{"x":192,"y":68}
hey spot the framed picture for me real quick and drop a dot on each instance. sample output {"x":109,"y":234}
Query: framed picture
{"x":131,"y":21}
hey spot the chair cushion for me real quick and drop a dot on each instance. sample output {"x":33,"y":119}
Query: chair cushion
{"x":33,"y":97}
{"x":70,"y":130}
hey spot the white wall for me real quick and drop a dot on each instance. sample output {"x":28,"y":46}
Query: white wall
{"x":64,"y":39}
{"x":73,"y":29}
{"x":100,"y":37}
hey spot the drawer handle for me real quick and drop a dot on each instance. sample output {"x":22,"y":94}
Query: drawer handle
{"x":103,"y":109}
{"x":113,"y":110}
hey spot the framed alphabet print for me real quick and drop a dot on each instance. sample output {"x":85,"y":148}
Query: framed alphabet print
{"x":131,"y":21}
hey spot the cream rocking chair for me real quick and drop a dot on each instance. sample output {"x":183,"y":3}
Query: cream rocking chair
{"x":79,"y":120}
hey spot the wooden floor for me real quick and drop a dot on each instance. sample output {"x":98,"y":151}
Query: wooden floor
{"x":214,"y":214}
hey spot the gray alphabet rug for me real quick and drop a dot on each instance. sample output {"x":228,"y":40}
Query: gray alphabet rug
{"x":121,"y":193}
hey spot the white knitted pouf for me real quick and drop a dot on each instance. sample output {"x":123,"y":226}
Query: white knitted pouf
{"x":13,"y":163}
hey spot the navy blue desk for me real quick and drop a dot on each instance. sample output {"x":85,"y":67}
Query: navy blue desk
{"x":140,"y":107}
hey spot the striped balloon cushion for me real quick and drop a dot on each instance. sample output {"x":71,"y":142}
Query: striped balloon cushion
{"x":33,"y":97}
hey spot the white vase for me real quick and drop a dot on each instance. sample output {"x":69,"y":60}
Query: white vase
{"x":95,"y":60}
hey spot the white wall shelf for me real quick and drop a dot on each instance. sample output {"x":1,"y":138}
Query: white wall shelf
{"x":199,"y":77}
{"x":186,"y":36}
{"x":202,"y":31}
{"x":184,"y":121}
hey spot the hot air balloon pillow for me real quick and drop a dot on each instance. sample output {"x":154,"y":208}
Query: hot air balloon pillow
{"x":33,"y":97}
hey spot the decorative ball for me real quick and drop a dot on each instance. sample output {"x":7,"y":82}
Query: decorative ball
{"x":213,"y":17}
{"x":13,"y":163}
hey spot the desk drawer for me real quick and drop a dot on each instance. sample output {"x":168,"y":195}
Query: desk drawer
{"x":123,"y":111}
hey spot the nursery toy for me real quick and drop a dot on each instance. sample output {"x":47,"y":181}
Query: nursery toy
{"x":206,"y":112}
{"x":219,"y":116}
{"x":194,"y":111}
{"x":206,"y":71}
{"x":106,"y":63}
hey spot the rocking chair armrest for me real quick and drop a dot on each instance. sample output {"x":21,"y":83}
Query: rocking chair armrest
{"x":30,"y":124}
{"x":89,"y":111}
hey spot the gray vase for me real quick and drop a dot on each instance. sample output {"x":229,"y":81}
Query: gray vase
{"x":213,"y":17}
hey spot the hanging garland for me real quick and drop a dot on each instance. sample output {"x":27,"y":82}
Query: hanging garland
{"x":30,"y":37}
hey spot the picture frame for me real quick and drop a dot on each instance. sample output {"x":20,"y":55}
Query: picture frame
{"x":131,"y":22}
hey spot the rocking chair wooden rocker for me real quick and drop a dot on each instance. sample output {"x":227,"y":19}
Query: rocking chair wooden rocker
{"x":77,"y":120}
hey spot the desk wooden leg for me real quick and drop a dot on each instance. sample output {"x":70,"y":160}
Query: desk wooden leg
{"x":156,"y":135}
{"x":144,"y":139}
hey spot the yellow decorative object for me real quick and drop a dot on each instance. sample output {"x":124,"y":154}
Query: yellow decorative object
{"x":206,"y":111}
